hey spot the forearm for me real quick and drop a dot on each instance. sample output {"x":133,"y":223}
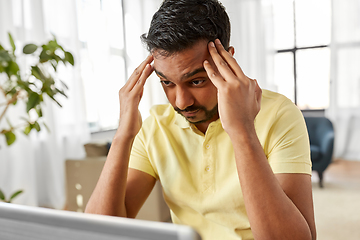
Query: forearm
{"x":108,"y":197}
{"x":271,"y":213}
{"x":270,"y":207}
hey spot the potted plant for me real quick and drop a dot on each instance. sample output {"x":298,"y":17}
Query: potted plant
{"x":31,"y":85}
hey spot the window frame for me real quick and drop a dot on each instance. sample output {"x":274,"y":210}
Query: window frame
{"x":294,"y":51}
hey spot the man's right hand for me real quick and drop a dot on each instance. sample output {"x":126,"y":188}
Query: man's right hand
{"x":130,"y":95}
{"x":117,"y":183}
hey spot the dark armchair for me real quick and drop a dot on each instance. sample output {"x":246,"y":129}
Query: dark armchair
{"x":321,"y":135}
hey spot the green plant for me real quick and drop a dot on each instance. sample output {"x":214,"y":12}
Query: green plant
{"x":30,"y":85}
{"x":15,"y":194}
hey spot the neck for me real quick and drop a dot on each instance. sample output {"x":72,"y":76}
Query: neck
{"x":204,"y":125}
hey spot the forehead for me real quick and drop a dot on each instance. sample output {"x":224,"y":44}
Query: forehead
{"x":182,"y":62}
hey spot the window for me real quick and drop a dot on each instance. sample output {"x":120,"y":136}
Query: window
{"x":302,"y":32}
{"x":102,"y":55}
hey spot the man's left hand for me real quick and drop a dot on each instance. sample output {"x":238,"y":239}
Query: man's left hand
{"x":239,"y":97}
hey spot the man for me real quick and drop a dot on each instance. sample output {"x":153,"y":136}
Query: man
{"x":233,"y":159}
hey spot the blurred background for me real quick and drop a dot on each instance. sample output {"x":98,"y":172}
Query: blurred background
{"x":308,"y":50}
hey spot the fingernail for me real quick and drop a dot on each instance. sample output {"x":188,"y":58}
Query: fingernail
{"x":217,"y":41}
{"x":206,"y":61}
{"x":212,"y":44}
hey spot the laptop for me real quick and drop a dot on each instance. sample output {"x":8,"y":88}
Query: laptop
{"x":18,"y":222}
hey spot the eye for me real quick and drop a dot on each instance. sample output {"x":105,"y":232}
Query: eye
{"x":197,"y":82}
{"x":166,"y":83}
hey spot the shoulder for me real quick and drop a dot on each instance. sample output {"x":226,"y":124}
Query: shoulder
{"x":282,"y":132}
{"x":272,"y":99}
{"x":276,"y":105}
{"x":279,"y":117}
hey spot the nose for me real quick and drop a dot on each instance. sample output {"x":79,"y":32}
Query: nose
{"x":184,"y":98}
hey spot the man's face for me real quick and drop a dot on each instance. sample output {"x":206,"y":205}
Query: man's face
{"x":186,"y":84}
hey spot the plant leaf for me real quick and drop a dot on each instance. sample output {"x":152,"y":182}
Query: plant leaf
{"x":15,"y":195}
{"x":54,"y":100}
{"x":46,"y":126}
{"x":29,"y":48}
{"x":27,"y":129}
{"x":64,"y":84}
{"x":69,"y":57}
{"x":52,"y":45}
{"x":34,"y":99}
{"x":13,"y":69}
{"x":12,"y":42}
{"x":39,"y":111}
{"x":44,"y":57}
{"x":36,"y":72}
{"x":56,"y":57}
{"x":4,"y":56}
{"x":37,"y":126}
{"x":2,"y":196}
{"x":54,"y":65}
{"x":61,"y":92}
{"x":10,"y":137}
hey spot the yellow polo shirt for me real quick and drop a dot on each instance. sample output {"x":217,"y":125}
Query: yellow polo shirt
{"x":198,"y":172}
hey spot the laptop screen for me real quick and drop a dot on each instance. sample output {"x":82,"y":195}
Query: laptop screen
{"x":19,"y":222}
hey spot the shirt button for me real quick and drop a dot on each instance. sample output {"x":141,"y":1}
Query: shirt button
{"x":207,"y":146}
{"x":207,"y":169}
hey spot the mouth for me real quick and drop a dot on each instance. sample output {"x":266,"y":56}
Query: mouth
{"x":190,"y":114}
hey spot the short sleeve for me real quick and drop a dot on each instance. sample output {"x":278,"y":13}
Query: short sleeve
{"x":139,"y":158}
{"x":289,"y":141}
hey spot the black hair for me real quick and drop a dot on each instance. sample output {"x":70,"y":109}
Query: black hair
{"x":179,"y":24}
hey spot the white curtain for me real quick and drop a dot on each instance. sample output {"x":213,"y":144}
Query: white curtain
{"x":251,"y":36}
{"x":138,"y":15}
{"x":344,"y":110}
{"x":36,"y":163}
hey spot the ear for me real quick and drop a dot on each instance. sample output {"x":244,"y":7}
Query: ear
{"x":231,"y":50}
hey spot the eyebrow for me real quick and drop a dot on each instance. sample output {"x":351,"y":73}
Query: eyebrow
{"x":185,"y":76}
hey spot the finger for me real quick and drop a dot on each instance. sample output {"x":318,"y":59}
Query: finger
{"x":214,"y":77}
{"x":142,"y":79}
{"x":137,"y":73}
{"x":221,"y":64}
{"x":229,"y":59}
